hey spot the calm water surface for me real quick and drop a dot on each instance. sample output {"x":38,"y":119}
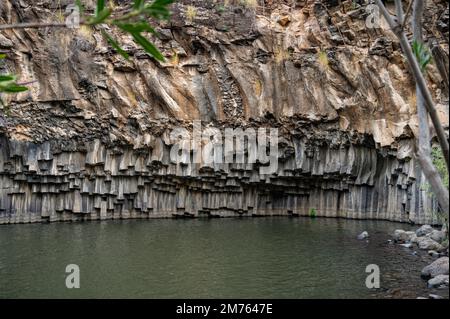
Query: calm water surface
{"x":208,"y":258}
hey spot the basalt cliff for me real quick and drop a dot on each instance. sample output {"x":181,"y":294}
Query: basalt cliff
{"x":90,"y":139}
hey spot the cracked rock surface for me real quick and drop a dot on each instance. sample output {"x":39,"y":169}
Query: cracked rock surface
{"x":89,"y":139}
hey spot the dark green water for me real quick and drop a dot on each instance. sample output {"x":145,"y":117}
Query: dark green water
{"x":215,"y":258}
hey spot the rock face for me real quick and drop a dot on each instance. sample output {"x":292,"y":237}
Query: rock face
{"x":90,"y":140}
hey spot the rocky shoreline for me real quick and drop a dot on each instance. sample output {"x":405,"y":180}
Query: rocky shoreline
{"x":435,"y":243}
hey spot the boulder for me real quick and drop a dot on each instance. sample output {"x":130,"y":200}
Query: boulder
{"x":437,"y":235}
{"x":414,"y":239}
{"x":409,"y":235}
{"x":430,"y":244}
{"x":439,"y":280}
{"x":403,"y":236}
{"x":438,"y":267}
{"x":363,"y":235}
{"x":424,"y":230}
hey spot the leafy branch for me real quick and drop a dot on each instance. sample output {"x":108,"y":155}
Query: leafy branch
{"x":422,"y":53}
{"x":8,"y":83}
{"x":134,"y":21}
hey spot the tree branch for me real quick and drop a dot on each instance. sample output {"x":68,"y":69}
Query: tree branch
{"x":423,"y":144}
{"x":399,"y":12}
{"x":33,"y":25}
{"x":420,"y":80}
{"x":433,"y":177}
{"x":408,"y":10}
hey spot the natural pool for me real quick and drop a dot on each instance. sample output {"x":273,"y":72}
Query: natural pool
{"x":275,"y":257}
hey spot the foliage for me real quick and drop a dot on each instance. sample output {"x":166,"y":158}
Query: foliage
{"x":439,"y":163}
{"x":312,"y":212}
{"x":8,"y":83}
{"x":133,"y":22}
{"x":422,"y":53}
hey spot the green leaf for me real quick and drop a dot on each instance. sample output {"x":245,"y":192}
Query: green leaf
{"x":135,"y":27}
{"x":100,"y":7}
{"x":80,"y":6}
{"x":148,"y":47}
{"x":138,"y":4}
{"x":115,"y":45}
{"x":14,"y":88}
{"x":102,"y":16}
{"x":423,"y":55}
{"x":2,"y":56}
{"x":163,"y":2}
{"x":158,"y":9}
{"x":7,"y":78}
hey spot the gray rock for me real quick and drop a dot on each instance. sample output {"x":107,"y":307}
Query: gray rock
{"x":424,"y":230}
{"x":433,"y":253}
{"x":408,"y":245}
{"x":432,"y":296}
{"x":414,"y":239}
{"x":403,"y":236}
{"x":439,"y":280}
{"x":437,"y":235}
{"x":438,"y":267}
{"x":5,"y":43}
{"x":363,"y":235}
{"x":430,"y":244}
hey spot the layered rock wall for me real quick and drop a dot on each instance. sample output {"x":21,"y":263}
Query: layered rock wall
{"x":90,"y":139}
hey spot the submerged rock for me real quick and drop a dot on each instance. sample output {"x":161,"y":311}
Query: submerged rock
{"x":363,"y":235}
